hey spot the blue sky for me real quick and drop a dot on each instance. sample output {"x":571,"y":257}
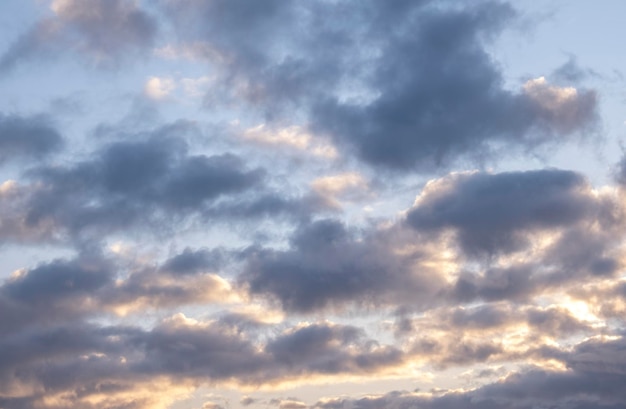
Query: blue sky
{"x":331,"y":204}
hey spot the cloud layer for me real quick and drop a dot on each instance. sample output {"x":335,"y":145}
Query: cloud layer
{"x":322,"y":204}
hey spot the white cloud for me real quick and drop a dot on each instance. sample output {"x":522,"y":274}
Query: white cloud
{"x":347,"y":186}
{"x":549,"y":96}
{"x":293,"y":136}
{"x":564,"y":108}
{"x":159,"y":88}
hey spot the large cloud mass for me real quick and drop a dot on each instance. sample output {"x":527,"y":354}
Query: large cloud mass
{"x":303,"y":204}
{"x":418,"y":96}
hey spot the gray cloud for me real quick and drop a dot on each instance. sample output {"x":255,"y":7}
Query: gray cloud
{"x":483,"y":269}
{"x":91,"y":284}
{"x":27,"y":137}
{"x":491,"y":212}
{"x":83,"y":361}
{"x":570,"y":72}
{"x":106,"y":28}
{"x":127,"y":182}
{"x":619,"y":172}
{"x":57,"y":291}
{"x":491,"y":216}
{"x":148,"y":180}
{"x":29,"y":46}
{"x":495,"y":284}
{"x":102,"y":30}
{"x":194,"y":261}
{"x":593,"y":380}
{"x":487,"y":321}
{"x":327,"y":265}
{"x":416,"y":97}
{"x":522,"y":282}
{"x":314,"y":349}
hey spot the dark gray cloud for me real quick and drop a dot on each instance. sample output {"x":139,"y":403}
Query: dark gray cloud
{"x":57,"y":291}
{"x":496,"y":284}
{"x":619,"y":172}
{"x":581,"y":250}
{"x":550,"y":321}
{"x":475,"y":335}
{"x":545,"y":212}
{"x":27,"y":137}
{"x":273,"y":205}
{"x":314,"y":349}
{"x":593,"y":380}
{"x":419,"y":96}
{"x":198,"y":351}
{"x":491,"y":212}
{"x":521,"y":282}
{"x":102,"y":30}
{"x":145,"y":288}
{"x":194,"y":261}
{"x":215,"y":352}
{"x":84,"y":360}
{"x":444,"y":353}
{"x":57,"y":280}
{"x":439,"y":93}
{"x":91,"y":284}
{"x":148,"y":180}
{"x":327,"y":265}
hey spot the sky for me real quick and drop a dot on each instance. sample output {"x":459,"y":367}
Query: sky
{"x":324,"y":204}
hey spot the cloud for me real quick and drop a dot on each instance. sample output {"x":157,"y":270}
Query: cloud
{"x":144,"y":290}
{"x":94,"y":284}
{"x":350,"y":186}
{"x":469,"y":237}
{"x":196,"y":87}
{"x":231,"y":255}
{"x":31,"y":45}
{"x":194,"y":261}
{"x":593,"y":379}
{"x":492,"y":212}
{"x":82,"y":364}
{"x":619,"y":172}
{"x":27,"y":137}
{"x":563,"y":108}
{"x":57,"y":291}
{"x":150,"y":179}
{"x":102,"y":30}
{"x":159,"y":88}
{"x":290,"y":404}
{"x":247,"y":400}
{"x":329,"y":266}
{"x":163,"y":88}
{"x":492,"y":333}
{"x":420,"y":97}
{"x":293,"y":137}
{"x":320,"y":349}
